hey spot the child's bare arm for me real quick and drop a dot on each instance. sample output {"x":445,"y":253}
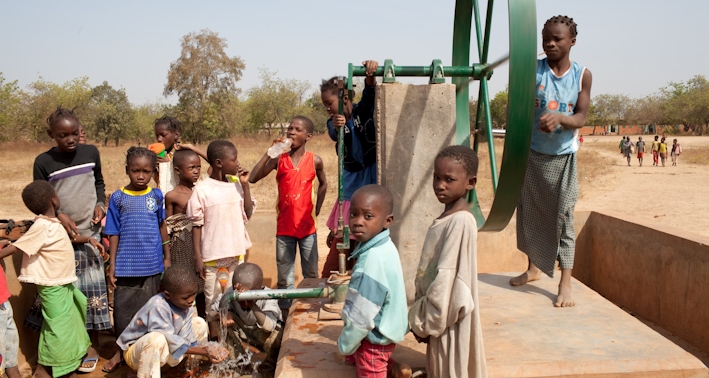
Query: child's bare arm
{"x":165,"y":244}
{"x":263,"y":168}
{"x":169,"y":203}
{"x":248,"y":202}
{"x":197,"y":150}
{"x":322,"y":181}
{"x":113,"y":247}
{"x":7,"y":249}
{"x":197,"y":247}
{"x":94,"y":243}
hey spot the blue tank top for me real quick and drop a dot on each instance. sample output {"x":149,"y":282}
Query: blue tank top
{"x":556,"y":94}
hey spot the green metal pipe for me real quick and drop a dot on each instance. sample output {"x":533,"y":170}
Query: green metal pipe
{"x":488,"y":133}
{"x":475,"y":71}
{"x":462,"y":24}
{"x":486,"y":38}
{"x":254,"y":295}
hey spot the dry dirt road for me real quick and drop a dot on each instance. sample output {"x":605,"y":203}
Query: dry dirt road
{"x":669,"y":196}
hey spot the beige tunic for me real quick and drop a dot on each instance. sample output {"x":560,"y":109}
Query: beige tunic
{"x":446,"y":296}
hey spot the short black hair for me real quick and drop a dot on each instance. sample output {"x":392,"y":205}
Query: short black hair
{"x":249,"y":275}
{"x":178,"y":277}
{"x":38,"y":196}
{"x":217,"y":149}
{"x":464,"y":155}
{"x":568,"y":21}
{"x":171,"y":123}
{"x":181,"y":155}
{"x":135,"y":152}
{"x":60,"y":114}
{"x":329,"y":85}
{"x":380,"y":192}
{"x":309,"y":125}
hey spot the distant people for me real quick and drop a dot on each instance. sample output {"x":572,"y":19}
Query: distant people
{"x":621,"y":145}
{"x":545,"y":211}
{"x":580,"y":140}
{"x":656,"y":151}
{"x":676,"y":151}
{"x":640,"y":147}
{"x":627,"y":149}
{"x":663,"y":151}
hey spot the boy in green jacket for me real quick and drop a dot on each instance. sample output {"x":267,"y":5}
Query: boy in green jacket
{"x":376,"y":298}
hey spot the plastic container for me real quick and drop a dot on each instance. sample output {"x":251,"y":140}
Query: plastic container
{"x":223,"y":278}
{"x":277,"y":149}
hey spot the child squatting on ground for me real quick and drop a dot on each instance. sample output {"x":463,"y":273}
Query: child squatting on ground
{"x":258,"y":323}
{"x":166,"y":329}
{"x":74,"y":170}
{"x":219,"y":209}
{"x":139,"y":246}
{"x":48,"y":262}
{"x":360,"y":157}
{"x":298,"y":202}
{"x":376,"y":299}
{"x":445,"y":314}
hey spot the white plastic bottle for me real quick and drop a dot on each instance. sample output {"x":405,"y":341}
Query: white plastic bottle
{"x":279,"y":148}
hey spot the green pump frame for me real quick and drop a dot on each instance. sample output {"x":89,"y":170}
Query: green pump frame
{"x":520,"y":108}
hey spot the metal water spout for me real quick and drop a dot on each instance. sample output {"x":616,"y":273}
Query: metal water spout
{"x":335,"y":291}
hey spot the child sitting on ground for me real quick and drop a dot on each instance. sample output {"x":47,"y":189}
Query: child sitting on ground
{"x":219,"y":209}
{"x":166,"y":329}
{"x":258,"y":323}
{"x":298,"y":208}
{"x":187,"y":168}
{"x":376,"y":298}
{"x":446,"y":311}
{"x":48,"y":262}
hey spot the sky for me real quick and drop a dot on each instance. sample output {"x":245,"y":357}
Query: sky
{"x":632,"y":47}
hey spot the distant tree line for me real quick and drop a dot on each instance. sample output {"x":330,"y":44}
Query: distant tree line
{"x":204,"y":78}
{"x":685,"y":103}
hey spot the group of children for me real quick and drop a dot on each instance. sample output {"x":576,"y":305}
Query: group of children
{"x":659,"y":150}
{"x":168,"y":250}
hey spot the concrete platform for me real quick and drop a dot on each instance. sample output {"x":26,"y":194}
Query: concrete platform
{"x":525,"y":336}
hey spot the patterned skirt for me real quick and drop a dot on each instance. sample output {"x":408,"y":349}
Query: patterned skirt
{"x":545,"y":212}
{"x":181,"y":246}
{"x":92,"y":282}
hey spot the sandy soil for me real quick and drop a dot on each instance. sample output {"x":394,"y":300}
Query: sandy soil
{"x":670,"y":196}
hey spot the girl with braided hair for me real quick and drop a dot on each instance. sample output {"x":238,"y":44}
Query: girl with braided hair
{"x":545,"y":212}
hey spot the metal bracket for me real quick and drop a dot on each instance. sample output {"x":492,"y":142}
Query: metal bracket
{"x":389,"y":75}
{"x":437,"y":76}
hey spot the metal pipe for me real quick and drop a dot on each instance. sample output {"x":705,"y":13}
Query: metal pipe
{"x":253,"y":295}
{"x":474,"y":71}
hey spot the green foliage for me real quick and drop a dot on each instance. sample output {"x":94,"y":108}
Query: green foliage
{"x":44,"y":97}
{"x":11,"y":98}
{"x":204,"y":78}
{"x":109,"y":115}
{"x":610,"y":108}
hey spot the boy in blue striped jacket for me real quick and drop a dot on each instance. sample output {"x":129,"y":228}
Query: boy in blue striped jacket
{"x":376,"y":298}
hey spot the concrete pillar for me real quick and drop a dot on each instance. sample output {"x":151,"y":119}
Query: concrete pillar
{"x":414,"y":122}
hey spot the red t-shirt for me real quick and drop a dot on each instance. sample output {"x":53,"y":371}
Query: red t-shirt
{"x":296,"y":196}
{"x":4,"y":291}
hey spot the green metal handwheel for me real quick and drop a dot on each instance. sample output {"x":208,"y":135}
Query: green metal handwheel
{"x":520,"y":109}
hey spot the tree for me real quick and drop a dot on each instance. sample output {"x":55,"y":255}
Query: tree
{"x":44,"y":97}
{"x":10,"y":108}
{"x":202,"y":73}
{"x":610,"y":109}
{"x":110,"y":116}
{"x":275,"y":101}
{"x":688,"y":103}
{"x":498,"y":109}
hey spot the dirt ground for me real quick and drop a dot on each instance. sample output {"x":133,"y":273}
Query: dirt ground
{"x":669,"y":196}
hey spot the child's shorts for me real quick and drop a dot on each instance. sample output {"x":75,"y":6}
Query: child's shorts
{"x":9,"y":339}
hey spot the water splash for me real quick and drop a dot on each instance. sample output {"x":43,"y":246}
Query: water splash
{"x":231,"y":368}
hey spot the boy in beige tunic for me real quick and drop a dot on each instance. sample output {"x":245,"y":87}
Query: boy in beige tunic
{"x":445,"y":313}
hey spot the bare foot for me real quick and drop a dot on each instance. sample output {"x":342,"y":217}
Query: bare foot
{"x":400,"y":370}
{"x":528,"y":276}
{"x":564,"y":298}
{"x":114,"y":363}
{"x":41,"y":372}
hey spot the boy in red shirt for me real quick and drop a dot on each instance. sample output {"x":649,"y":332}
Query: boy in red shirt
{"x":299,"y":202}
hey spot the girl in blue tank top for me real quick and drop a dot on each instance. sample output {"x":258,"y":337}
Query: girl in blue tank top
{"x":545,"y":229}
